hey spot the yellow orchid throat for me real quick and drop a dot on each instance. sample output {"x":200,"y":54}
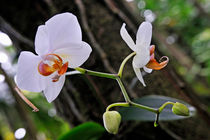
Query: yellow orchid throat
{"x":50,"y":64}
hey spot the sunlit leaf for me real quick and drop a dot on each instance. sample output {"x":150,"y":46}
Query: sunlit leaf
{"x":133,"y":113}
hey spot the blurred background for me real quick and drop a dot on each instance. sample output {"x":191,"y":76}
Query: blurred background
{"x":181,"y":30}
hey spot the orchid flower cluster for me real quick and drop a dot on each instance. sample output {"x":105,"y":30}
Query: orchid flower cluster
{"x":59,"y":46}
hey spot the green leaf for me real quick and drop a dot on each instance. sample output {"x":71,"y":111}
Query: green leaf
{"x":85,"y":131}
{"x":133,"y":113}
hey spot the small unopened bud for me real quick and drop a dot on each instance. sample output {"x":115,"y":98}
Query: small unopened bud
{"x":180,"y":109}
{"x":112,"y":121}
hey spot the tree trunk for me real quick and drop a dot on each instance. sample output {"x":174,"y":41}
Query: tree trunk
{"x":85,"y":98}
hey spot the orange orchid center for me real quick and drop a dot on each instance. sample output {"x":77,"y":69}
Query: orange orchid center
{"x":153,"y":64}
{"x":50,"y":64}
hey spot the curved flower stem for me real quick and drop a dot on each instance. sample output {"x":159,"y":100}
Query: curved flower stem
{"x":125,"y":94}
{"x":144,"y":107}
{"x":164,"y":105}
{"x":117,"y":104}
{"x":95,"y":73}
{"x":117,"y":77}
{"x":159,"y":111}
{"x":124,"y":62}
{"x":127,"y":99}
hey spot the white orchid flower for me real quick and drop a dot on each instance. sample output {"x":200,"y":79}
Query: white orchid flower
{"x":144,"y":57}
{"x":59,"y":46}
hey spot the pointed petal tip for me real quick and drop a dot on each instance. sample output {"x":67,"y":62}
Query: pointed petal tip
{"x":143,"y":83}
{"x":123,"y":25}
{"x":127,"y":38}
{"x":50,"y":100}
{"x":122,"y":28}
{"x":138,"y":74}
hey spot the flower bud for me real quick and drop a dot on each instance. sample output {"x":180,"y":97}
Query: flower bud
{"x":180,"y":109}
{"x":112,"y":121}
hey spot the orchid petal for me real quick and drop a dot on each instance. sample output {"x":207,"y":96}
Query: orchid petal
{"x":138,"y":74}
{"x":147,"y":69}
{"x":141,"y":59}
{"x":62,"y":29}
{"x":144,"y":36}
{"x":28,"y":77}
{"x":76,"y":55}
{"x":42,"y":40}
{"x":127,"y":38}
{"x":153,"y":64}
{"x":53,"y":89}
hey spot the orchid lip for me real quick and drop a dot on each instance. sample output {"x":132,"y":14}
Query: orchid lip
{"x":153,"y":64}
{"x":50,"y":64}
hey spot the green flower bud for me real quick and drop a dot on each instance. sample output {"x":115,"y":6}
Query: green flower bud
{"x":180,"y":109}
{"x":112,"y":121}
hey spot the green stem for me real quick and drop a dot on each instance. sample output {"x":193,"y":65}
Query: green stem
{"x":117,"y":104}
{"x":164,"y":105}
{"x":144,"y":107}
{"x":95,"y":73}
{"x":156,"y":120}
{"x":124,"y":62}
{"x":124,"y":92}
{"x":132,"y":104}
{"x":127,"y":99}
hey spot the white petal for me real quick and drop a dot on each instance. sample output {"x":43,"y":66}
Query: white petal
{"x":147,"y":69}
{"x":63,"y":28}
{"x":138,"y":74}
{"x":144,"y":35}
{"x":28,"y":77}
{"x":75,"y":54}
{"x":127,"y":38}
{"x":42,"y":40}
{"x":53,"y":88}
{"x":141,"y":59}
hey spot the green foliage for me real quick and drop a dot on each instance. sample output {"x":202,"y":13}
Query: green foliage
{"x":85,"y":131}
{"x":201,"y":51}
{"x":190,"y":26}
{"x":171,"y":12}
{"x":52,"y":126}
{"x":132,"y":113}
